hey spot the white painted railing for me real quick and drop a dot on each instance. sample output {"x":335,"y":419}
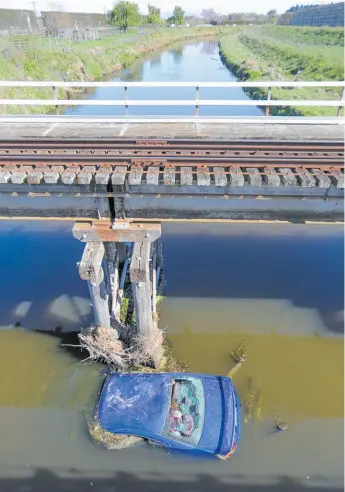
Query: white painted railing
{"x":126,"y":102}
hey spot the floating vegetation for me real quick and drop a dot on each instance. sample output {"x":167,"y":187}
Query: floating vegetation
{"x":281,"y":425}
{"x":241,"y":353}
{"x":253,"y":402}
{"x":110,"y":440}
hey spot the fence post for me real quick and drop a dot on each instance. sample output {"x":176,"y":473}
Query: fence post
{"x":269,"y":95}
{"x":56,"y":96}
{"x":126,"y":100}
{"x":342,"y":99}
{"x":197,"y":101}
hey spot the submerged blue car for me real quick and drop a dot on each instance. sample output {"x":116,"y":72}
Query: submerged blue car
{"x":196,"y":413}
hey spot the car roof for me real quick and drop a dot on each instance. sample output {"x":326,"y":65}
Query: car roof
{"x":135,"y":403}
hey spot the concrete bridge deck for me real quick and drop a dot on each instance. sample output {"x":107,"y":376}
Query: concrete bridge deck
{"x":269,"y":128}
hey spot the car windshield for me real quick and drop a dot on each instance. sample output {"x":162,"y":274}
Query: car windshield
{"x":185,"y":419}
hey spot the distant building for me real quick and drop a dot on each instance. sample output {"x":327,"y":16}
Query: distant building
{"x":73,"y":20}
{"x":331,"y":15}
{"x":18,"y":20}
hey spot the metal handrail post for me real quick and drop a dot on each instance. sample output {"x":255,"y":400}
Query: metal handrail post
{"x":269,"y":96}
{"x":56,"y":97}
{"x":126,"y":100}
{"x":341,"y":99}
{"x":197,"y":100}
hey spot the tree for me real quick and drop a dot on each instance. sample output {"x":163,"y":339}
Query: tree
{"x":271,"y":14}
{"x":125,"y":14}
{"x":286,"y":18}
{"x":207,"y":14}
{"x":154,"y":16}
{"x":178,"y":15}
{"x":210,"y":16}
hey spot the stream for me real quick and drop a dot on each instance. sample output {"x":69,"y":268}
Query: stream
{"x":191,"y":62}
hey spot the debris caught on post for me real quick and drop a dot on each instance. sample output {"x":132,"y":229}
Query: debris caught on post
{"x":281,"y":425}
{"x":241,"y":353}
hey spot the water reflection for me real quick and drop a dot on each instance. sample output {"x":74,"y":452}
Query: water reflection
{"x":154,"y":62}
{"x":177,"y":54}
{"x":209,"y":47}
{"x":300,"y":264}
{"x":134,"y":74}
{"x":42,"y":288}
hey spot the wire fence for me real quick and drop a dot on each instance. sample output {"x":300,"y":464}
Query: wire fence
{"x":22,"y":40}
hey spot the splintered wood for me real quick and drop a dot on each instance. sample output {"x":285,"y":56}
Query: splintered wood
{"x":90,"y":265}
{"x":141,"y":285}
{"x":139,"y":271}
{"x":90,"y":269}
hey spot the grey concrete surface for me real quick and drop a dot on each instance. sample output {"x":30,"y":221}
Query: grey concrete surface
{"x":262,"y":130}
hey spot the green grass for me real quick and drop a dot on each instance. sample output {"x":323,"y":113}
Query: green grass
{"x":272,"y":53}
{"x":83,"y":61}
{"x":323,"y":36}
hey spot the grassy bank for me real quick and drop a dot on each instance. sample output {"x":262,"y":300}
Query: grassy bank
{"x":287,"y":53}
{"x":89,"y":61}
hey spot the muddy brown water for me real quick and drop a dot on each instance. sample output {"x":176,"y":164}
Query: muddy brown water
{"x":278,"y":287}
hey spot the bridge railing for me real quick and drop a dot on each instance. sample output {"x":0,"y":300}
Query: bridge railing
{"x":196,"y":102}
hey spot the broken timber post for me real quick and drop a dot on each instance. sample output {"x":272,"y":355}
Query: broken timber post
{"x":90,"y":269}
{"x":154,"y":281}
{"x":110,"y":258}
{"x":159,"y":261}
{"x":96,"y":232}
{"x":141,"y":285}
{"x":142,"y":297}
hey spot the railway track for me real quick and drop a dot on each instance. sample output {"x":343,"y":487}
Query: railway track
{"x":200,"y":157}
{"x":147,"y":153}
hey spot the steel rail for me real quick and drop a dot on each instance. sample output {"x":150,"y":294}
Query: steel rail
{"x":167,"y":144}
{"x":155,"y":153}
{"x":144,"y":156}
{"x":161,"y":159}
{"x":165,"y":161}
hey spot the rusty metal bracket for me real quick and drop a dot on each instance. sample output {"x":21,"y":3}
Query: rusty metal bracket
{"x":119,"y":231}
{"x":151,"y":143}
